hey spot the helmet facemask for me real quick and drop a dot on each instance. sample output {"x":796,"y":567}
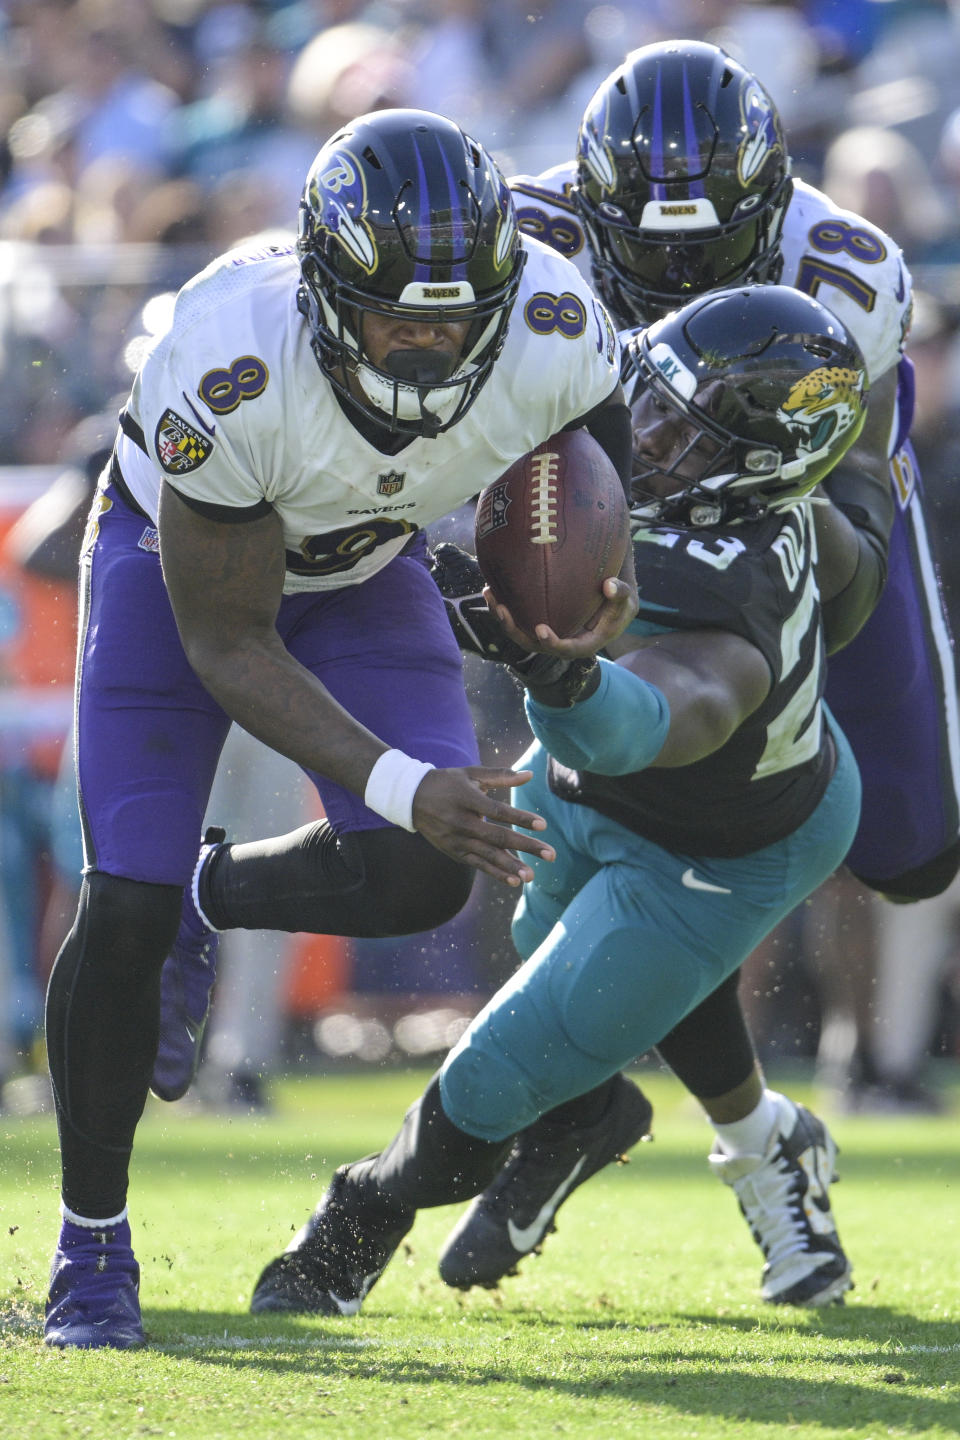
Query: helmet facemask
{"x":683,"y":180}
{"x":642,"y":274}
{"x":698,"y":484}
{"x":418,"y":389}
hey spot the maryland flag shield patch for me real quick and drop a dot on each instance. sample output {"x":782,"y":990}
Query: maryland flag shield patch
{"x":180,"y":446}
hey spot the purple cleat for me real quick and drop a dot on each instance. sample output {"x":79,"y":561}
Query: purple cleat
{"x":186,"y":988}
{"x":93,"y":1302}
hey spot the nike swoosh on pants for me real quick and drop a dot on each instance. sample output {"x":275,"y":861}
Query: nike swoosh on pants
{"x":693,"y":883}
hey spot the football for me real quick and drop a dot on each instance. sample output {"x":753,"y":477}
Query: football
{"x":550,"y":531}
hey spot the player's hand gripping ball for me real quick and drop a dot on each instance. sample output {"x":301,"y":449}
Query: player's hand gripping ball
{"x":550,"y":531}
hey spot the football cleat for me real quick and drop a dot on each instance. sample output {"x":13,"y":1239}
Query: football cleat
{"x":93,"y":1302}
{"x":335,"y":1260}
{"x":784,"y":1197}
{"x":548,"y":1161}
{"x":186,"y":989}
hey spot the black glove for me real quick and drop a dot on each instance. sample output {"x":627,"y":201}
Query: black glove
{"x":551,"y":679}
{"x":477,"y":630}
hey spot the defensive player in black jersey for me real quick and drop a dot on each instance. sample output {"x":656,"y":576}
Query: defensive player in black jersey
{"x":681,"y":184}
{"x":696,"y":790}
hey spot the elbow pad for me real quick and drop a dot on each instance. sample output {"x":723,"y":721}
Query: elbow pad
{"x":620,"y":728}
{"x":847,"y":612}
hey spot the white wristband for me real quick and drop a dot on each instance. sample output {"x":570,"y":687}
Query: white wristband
{"x":391,"y":786}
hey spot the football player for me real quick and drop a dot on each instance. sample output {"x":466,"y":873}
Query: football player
{"x":681,"y":184}
{"x":255,"y":552}
{"x":697,"y":790}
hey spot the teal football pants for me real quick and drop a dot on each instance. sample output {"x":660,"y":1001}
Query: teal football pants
{"x":624,"y":938}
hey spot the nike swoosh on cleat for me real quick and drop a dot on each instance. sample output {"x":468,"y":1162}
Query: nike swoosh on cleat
{"x":819,"y":1215}
{"x":692,"y":883}
{"x":346,"y":1307}
{"x":524,"y":1238}
{"x":352,"y":1304}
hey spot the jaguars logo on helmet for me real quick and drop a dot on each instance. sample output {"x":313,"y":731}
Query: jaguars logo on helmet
{"x":768,"y":392}
{"x":823,"y":406}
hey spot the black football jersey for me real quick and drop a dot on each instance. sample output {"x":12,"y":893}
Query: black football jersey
{"x":755,"y":578}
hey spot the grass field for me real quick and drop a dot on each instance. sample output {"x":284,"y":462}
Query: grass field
{"x":641,"y":1319}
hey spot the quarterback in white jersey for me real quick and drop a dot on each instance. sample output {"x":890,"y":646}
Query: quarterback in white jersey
{"x":227,"y":408}
{"x":255,"y":553}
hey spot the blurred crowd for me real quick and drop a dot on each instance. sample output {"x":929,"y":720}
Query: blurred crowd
{"x":138,"y":138}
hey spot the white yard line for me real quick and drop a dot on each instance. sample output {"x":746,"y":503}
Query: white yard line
{"x":327,"y":1342}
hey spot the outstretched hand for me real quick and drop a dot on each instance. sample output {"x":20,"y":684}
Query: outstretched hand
{"x":618,"y":608}
{"x":455,"y":810}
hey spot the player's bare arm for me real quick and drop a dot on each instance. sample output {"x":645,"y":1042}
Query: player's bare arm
{"x":712,"y":681}
{"x":225,"y":582}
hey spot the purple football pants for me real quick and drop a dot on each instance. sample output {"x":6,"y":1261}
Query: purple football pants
{"x":149,"y":735}
{"x":893,"y":692}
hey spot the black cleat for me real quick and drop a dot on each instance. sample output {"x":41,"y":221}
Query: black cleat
{"x":548,"y":1161}
{"x":336,"y":1258}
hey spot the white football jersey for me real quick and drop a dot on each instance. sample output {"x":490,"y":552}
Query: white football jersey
{"x":233,"y":411}
{"x":849,"y":265}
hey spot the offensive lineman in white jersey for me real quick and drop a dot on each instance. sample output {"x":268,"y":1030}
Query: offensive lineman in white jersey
{"x":306,"y":413}
{"x":681,"y":185}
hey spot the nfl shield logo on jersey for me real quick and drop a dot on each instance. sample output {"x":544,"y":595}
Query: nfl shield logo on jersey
{"x":390,"y":483}
{"x":180,"y":446}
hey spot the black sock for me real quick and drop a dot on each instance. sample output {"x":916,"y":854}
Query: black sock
{"x":582,"y":1111}
{"x":430,"y":1161}
{"x":710,"y":1051}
